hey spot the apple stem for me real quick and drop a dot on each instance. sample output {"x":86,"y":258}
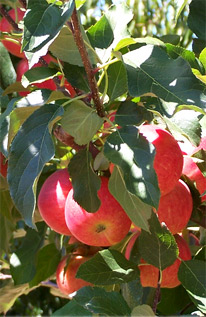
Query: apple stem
{"x":11,"y":21}
{"x":75,"y":27}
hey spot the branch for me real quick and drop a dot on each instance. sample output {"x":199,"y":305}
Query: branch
{"x":23,"y":3}
{"x":75,"y":26}
{"x":156,"y":296}
{"x":5,"y":14}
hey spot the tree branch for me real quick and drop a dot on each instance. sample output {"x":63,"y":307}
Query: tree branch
{"x":23,"y":3}
{"x":75,"y":27}
{"x":5,"y":14}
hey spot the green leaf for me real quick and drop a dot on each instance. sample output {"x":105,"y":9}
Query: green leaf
{"x":129,"y":113}
{"x":72,"y":309}
{"x":108,"y":267}
{"x":132,"y":293}
{"x":142,"y":310}
{"x":186,"y":123}
{"x":38,"y":75}
{"x":196,"y":19}
{"x":158,"y":247}
{"x":47,"y":260}
{"x":98,"y":301}
{"x":31,"y":148}
{"x":42,"y":24}
{"x":22,"y":262}
{"x":179,"y":6}
{"x":135,"y":155}
{"x":6,"y":233}
{"x":7,"y":71}
{"x":76,"y":76}
{"x":175,"y":82}
{"x":81,"y":121}
{"x":138,"y":212}
{"x":202,"y":58}
{"x":64,"y":48}
{"x":201,"y":160}
{"x":84,"y":181}
{"x":129,"y":41}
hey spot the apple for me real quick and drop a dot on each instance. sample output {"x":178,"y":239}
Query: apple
{"x":3,"y":165}
{"x":201,"y":186}
{"x":131,"y":243}
{"x":149,"y":274}
{"x":107,"y":226}
{"x":23,"y":66}
{"x":168,"y":160}
{"x":52,"y":198}
{"x":12,"y":47}
{"x":66,"y":274}
{"x":175,"y":208}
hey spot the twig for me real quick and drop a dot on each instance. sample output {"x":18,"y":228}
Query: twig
{"x":11,"y":21}
{"x":86,"y":62}
{"x":23,"y":3}
{"x":156,"y":295}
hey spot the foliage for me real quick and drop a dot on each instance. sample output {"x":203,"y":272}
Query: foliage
{"x":132,"y":66}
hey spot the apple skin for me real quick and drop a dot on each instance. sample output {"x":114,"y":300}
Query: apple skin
{"x":168,"y":161}
{"x":108,"y":226}
{"x":23,"y":66}
{"x":52,"y":198}
{"x":66,"y":280}
{"x":175,"y":208}
{"x":149,"y":274}
{"x":5,"y":26}
{"x":3,"y":165}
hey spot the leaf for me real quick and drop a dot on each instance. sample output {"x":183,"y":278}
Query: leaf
{"x":174,"y":83}
{"x":76,"y":76}
{"x":6,"y":233}
{"x":30,"y":150}
{"x":186,"y":123}
{"x":64,"y":48}
{"x":138,"y":212}
{"x":135,"y":155}
{"x":81,"y":121}
{"x":179,"y":6}
{"x":9,"y":294}
{"x":202,"y":58}
{"x":22,"y":262}
{"x":7,"y":73}
{"x":98,"y":301}
{"x":42,"y":24}
{"x":38,"y":75}
{"x":127,"y":41}
{"x":132,"y":293}
{"x":158,"y":247}
{"x":129,"y":113}
{"x":72,"y":309}
{"x":108,"y":267}
{"x":196,"y":19}
{"x":84,"y":181}
{"x":47,"y":260}
{"x":142,"y":310}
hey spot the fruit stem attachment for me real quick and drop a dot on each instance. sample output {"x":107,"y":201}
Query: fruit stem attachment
{"x":5,"y":14}
{"x":86,"y":62}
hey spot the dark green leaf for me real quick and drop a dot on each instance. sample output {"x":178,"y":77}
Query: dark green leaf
{"x":132,"y":293}
{"x":137,"y":211}
{"x":22,"y":262}
{"x":84,"y":181}
{"x":72,"y":309}
{"x":98,"y":301}
{"x":7,"y":71}
{"x":47,"y":260}
{"x":6,"y":233}
{"x":129,"y":113}
{"x":81,"y":121}
{"x":42,"y":24}
{"x":175,"y":82}
{"x":30,"y":150}
{"x":196,"y":19}
{"x":76,"y":76}
{"x":200,"y":157}
{"x":201,"y":254}
{"x":38,"y":75}
{"x":159,"y":247}
{"x":101,"y":34}
{"x":108,"y":267}
{"x":135,"y":155}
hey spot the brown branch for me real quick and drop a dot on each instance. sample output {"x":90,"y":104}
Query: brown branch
{"x":156,"y":296}
{"x":23,"y":3}
{"x":86,"y":62}
{"x":11,"y":21}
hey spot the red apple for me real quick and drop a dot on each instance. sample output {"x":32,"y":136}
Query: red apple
{"x":23,"y":66}
{"x":3,"y":165}
{"x":175,"y":208}
{"x":168,"y":160}
{"x":12,"y":47}
{"x":108,"y":226}
{"x":201,"y":186}
{"x":66,"y":274}
{"x":52,"y":198}
{"x":149,"y":274}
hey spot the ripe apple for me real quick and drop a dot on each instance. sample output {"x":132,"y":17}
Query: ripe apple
{"x":11,"y":46}
{"x":168,"y":160}
{"x":3,"y":165}
{"x":201,"y":186}
{"x":149,"y":274}
{"x":108,"y":226}
{"x":23,"y":66}
{"x":51,"y":200}
{"x":175,"y":208}
{"x":66,"y":274}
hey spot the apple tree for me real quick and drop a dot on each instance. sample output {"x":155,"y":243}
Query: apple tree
{"x":103,"y":157}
